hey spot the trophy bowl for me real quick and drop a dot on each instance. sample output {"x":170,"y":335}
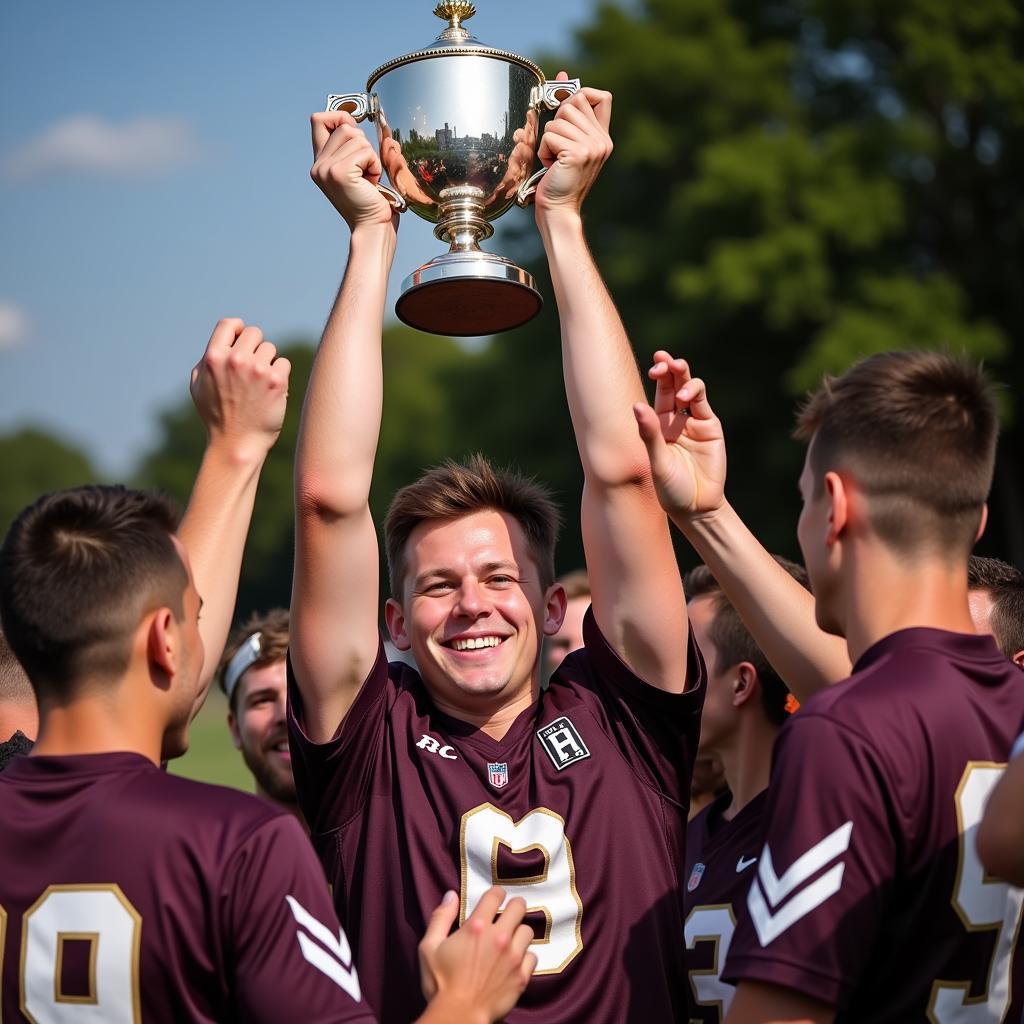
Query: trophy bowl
{"x":458,"y":126}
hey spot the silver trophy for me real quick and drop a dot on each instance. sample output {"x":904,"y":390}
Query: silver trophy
{"x":458,"y":127}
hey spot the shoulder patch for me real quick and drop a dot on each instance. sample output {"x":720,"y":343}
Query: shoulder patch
{"x":563,"y":743}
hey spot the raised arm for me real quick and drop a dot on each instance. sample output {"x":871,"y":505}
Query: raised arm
{"x":636,"y":592}
{"x":335,"y":590}
{"x":240,"y":389}
{"x":686,"y":447}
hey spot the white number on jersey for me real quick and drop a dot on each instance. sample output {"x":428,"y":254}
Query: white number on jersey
{"x":983,"y":904}
{"x":100,"y":915}
{"x":485,"y":829}
{"x":714,"y":923}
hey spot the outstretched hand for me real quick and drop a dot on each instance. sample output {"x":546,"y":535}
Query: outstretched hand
{"x":346,"y":169}
{"x":574,"y":148}
{"x":480,"y":971}
{"x":240,"y":389}
{"x":684,"y":440}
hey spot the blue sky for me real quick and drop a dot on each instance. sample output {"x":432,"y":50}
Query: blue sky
{"x":154,"y":176}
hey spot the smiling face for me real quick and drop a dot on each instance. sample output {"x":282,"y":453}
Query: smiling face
{"x":260,"y":730}
{"x":473,"y":611}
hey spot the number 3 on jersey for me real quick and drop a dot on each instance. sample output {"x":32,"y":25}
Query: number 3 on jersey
{"x":487,"y":834}
{"x":983,"y":904}
{"x":714,"y":923}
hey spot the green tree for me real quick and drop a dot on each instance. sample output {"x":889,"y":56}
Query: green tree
{"x":794,"y":186}
{"x":417,"y":430}
{"x":35,"y":462}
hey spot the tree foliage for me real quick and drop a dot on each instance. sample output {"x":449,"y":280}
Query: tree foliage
{"x":34,"y":463}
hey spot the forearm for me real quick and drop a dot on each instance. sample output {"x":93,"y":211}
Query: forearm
{"x":213,"y":531}
{"x":776,"y":609}
{"x":1001,"y":832}
{"x":602,"y":382}
{"x":342,"y":412}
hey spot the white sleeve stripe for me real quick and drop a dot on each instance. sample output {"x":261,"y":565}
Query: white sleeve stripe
{"x":803,"y":867}
{"x":325,"y":963}
{"x":337,"y":945}
{"x":770,"y":926}
{"x":334,"y":957}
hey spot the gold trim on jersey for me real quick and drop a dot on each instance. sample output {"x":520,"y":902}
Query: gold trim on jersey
{"x":111,"y":887}
{"x":93,"y":938}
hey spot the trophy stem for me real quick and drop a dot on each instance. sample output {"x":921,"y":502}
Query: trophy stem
{"x":462,"y":222}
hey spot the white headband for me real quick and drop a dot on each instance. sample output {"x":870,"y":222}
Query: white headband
{"x":244,"y":658}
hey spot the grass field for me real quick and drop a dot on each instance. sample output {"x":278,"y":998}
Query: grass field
{"x":211,"y":755}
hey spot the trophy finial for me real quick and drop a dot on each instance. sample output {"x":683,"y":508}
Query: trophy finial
{"x":455,"y":12}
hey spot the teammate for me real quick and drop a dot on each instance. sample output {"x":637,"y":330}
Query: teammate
{"x":137,"y":893}
{"x":19,"y":717}
{"x":996,"y":595}
{"x":570,"y":634}
{"x":252,"y":674}
{"x":465,"y":772}
{"x":869,"y":903}
{"x":746,"y":705}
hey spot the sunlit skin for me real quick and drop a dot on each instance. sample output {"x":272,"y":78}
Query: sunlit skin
{"x":467,"y":579}
{"x":816,"y":535}
{"x":569,"y":637}
{"x":191,"y":653}
{"x":260,"y":731}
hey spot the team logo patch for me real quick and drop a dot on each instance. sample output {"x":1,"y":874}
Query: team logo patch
{"x":695,"y":876}
{"x":562,"y":741}
{"x":497,"y":775}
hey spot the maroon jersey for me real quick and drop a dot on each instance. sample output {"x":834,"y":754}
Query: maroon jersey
{"x":580,"y":809}
{"x":143,"y":896}
{"x":868,"y":893}
{"x":719,"y":857}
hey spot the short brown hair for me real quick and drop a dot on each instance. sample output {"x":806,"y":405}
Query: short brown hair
{"x":455,"y":489}
{"x":576,"y":584}
{"x":1004,"y":584}
{"x":273,"y":629}
{"x":15,"y":689}
{"x":78,"y":569}
{"x":917,"y":430}
{"x":732,"y":640}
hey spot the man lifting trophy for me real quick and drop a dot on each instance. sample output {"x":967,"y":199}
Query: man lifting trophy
{"x":457,"y":124}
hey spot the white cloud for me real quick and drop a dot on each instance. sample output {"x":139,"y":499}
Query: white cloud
{"x":85,"y":143}
{"x":13,"y":325}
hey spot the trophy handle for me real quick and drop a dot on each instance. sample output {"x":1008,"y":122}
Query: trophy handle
{"x":550,"y":96}
{"x":362,"y":108}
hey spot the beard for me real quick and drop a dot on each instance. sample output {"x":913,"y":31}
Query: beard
{"x":275,"y":780}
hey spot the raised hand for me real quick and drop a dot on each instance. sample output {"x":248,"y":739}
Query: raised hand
{"x":479,"y":972}
{"x":346,"y":169}
{"x":240,"y":389}
{"x":684,"y":440}
{"x":574,"y":148}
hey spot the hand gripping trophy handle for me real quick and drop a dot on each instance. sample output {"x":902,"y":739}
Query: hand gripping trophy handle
{"x":549,"y":95}
{"x":360,"y":106}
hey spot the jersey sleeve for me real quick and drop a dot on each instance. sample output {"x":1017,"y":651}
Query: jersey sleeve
{"x":332,"y":779}
{"x":825,"y":873}
{"x":654,"y":730}
{"x":289,"y":959}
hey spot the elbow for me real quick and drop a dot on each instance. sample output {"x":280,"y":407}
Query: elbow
{"x":617,"y":471}
{"x":316,"y":500}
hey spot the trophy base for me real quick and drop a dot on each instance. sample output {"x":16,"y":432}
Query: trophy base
{"x":468,"y":294}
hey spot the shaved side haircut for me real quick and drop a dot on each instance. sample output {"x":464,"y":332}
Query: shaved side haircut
{"x":15,"y":689}
{"x":78,"y":569}
{"x":732,"y":641}
{"x":1004,"y":584}
{"x":917,"y":431}
{"x":456,"y":489}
